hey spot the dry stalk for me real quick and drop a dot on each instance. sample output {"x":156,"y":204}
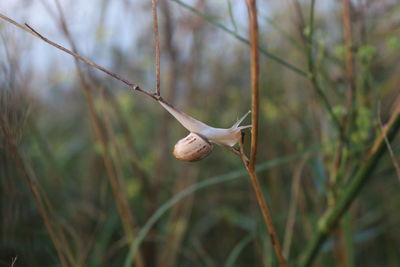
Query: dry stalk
{"x":250,"y":165}
{"x":349,"y":58}
{"x":157,"y":43}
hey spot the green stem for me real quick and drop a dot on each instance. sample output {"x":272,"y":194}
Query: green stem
{"x":332,"y":216}
{"x":348,"y":239}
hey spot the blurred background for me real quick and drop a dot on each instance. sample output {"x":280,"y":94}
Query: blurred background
{"x":85,"y":162}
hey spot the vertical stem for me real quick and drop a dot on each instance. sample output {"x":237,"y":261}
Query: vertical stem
{"x":267,"y":217}
{"x":310,"y":60}
{"x":347,"y":34}
{"x":156,"y":43}
{"x":255,"y":70}
{"x":250,"y":166}
{"x":348,"y":239}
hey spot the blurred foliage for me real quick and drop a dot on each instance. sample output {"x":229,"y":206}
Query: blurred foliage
{"x":205,"y":71}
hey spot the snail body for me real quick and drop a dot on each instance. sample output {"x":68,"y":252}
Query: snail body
{"x":198,"y":144}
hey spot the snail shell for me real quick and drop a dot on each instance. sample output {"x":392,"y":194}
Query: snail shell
{"x":192,"y":148}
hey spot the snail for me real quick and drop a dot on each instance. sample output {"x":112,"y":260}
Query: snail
{"x":199,"y":143}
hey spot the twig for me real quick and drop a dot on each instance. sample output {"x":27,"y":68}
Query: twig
{"x":29,"y":29}
{"x":157,"y":43}
{"x":250,"y":166}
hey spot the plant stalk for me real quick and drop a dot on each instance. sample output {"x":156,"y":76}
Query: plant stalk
{"x":250,"y":165}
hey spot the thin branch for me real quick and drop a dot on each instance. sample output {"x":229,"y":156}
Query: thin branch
{"x":250,"y":166}
{"x":157,"y":43}
{"x":29,"y":29}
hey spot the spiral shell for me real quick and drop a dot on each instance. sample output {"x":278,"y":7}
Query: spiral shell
{"x":192,"y":148}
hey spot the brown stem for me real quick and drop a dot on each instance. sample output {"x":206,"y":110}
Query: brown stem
{"x":347,"y":34}
{"x":254,"y":80}
{"x":157,"y":43}
{"x":250,"y":166}
{"x":267,"y":216}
